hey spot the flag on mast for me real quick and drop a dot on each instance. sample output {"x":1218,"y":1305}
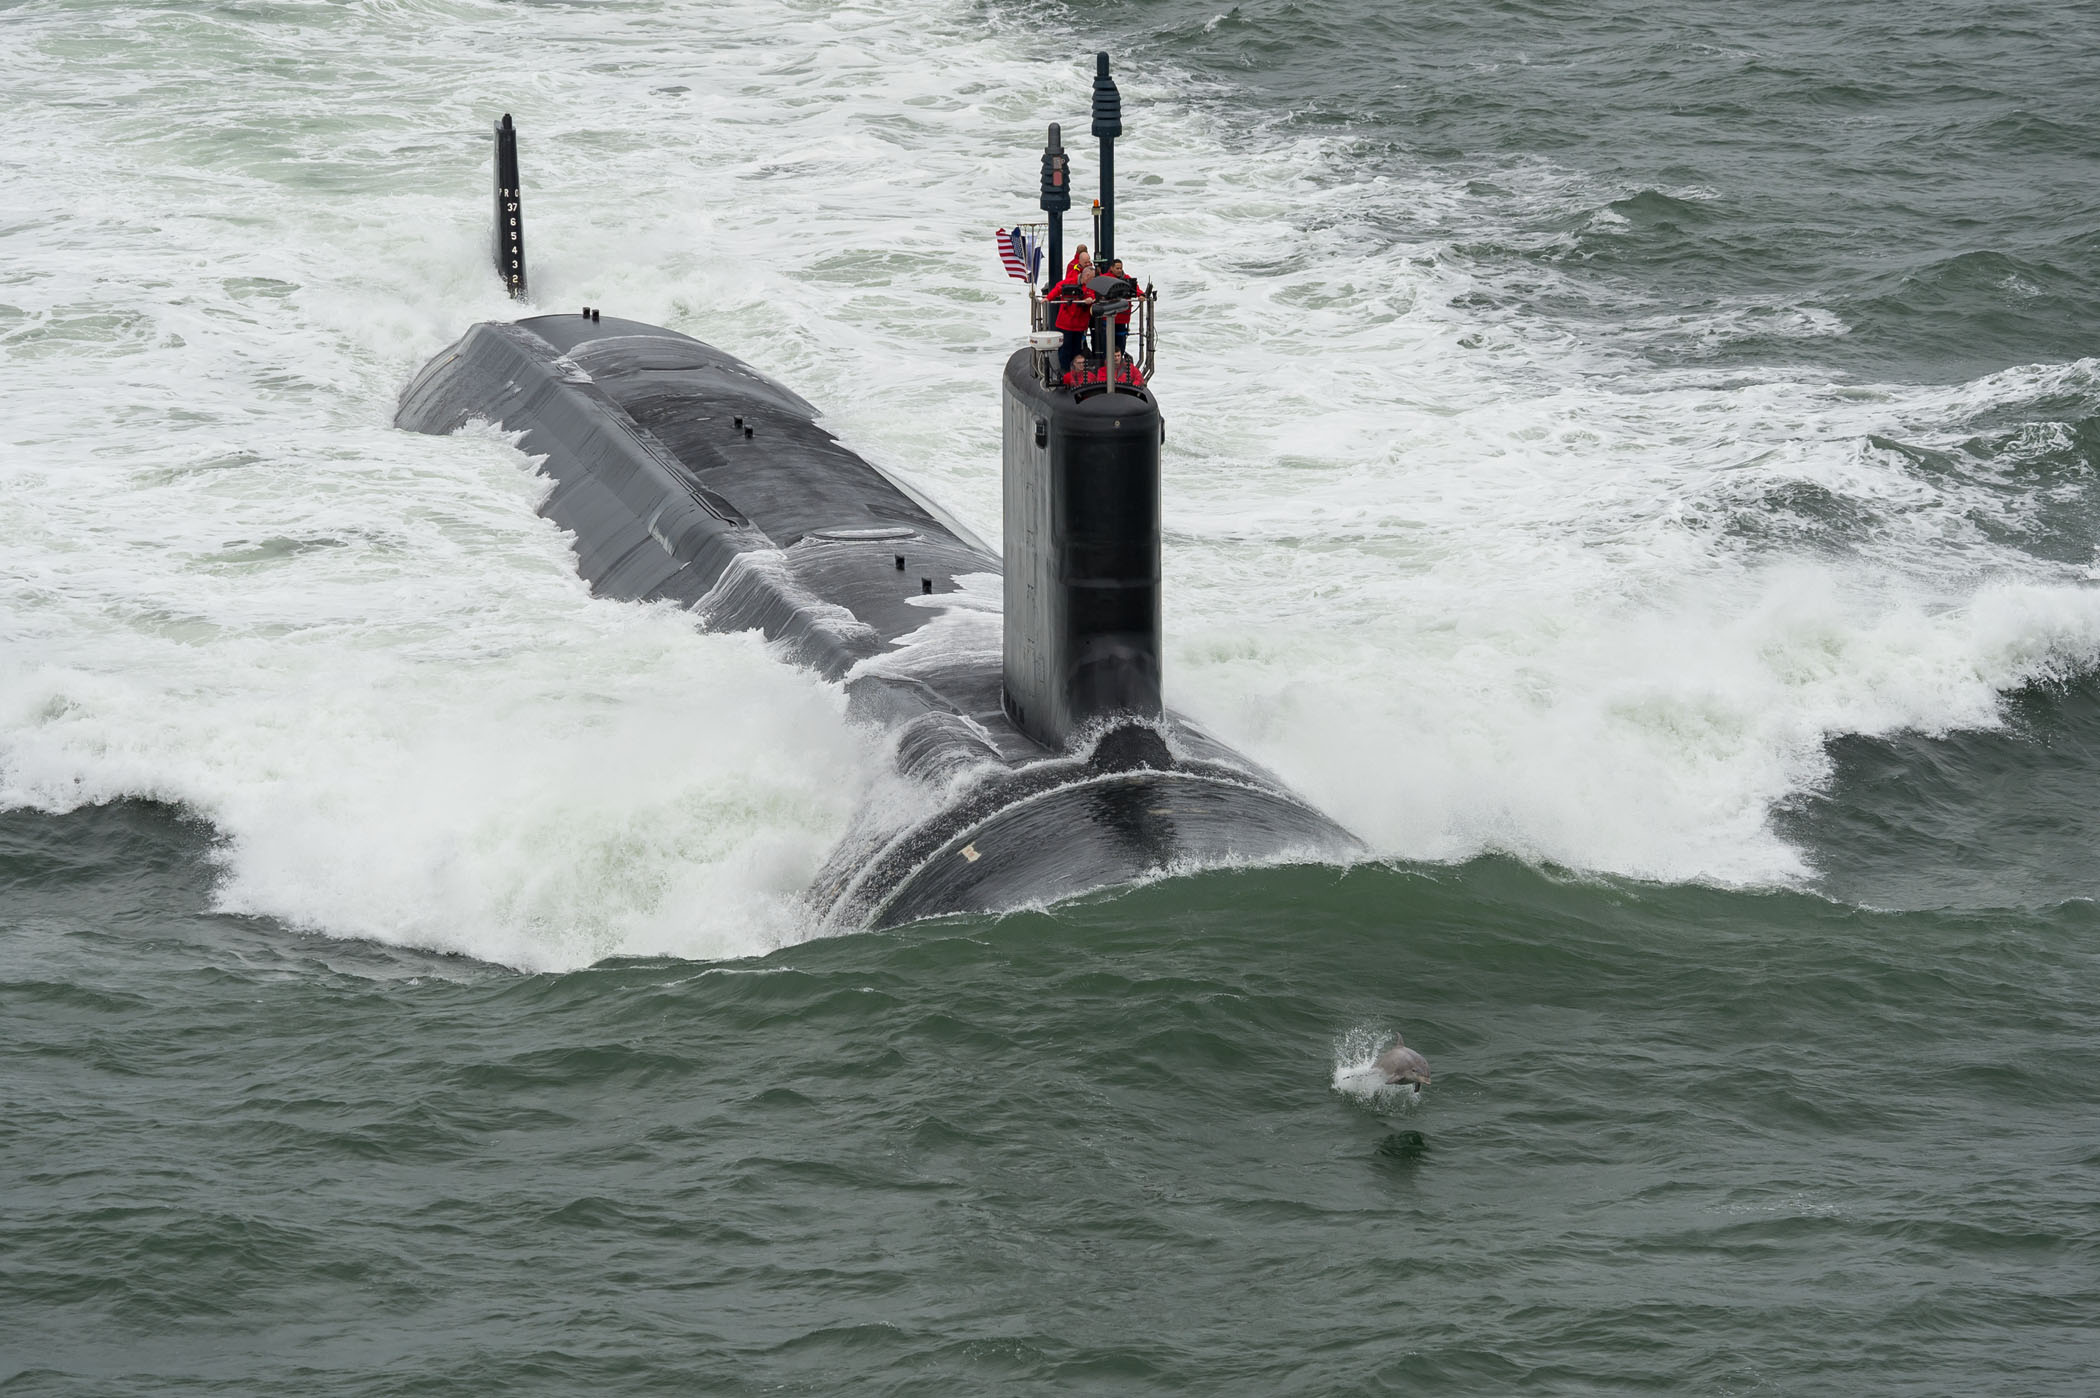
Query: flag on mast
{"x":1013,"y":253}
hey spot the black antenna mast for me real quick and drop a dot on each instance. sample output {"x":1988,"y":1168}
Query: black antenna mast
{"x":1108,"y":124}
{"x":1057,"y":197}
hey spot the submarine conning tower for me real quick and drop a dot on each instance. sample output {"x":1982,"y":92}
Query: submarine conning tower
{"x":1082,"y":555}
{"x":1081,"y":494}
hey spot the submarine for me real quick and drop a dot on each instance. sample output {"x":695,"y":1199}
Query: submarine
{"x":1020,"y":693}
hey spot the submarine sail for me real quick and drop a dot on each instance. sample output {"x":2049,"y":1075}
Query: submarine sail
{"x":685,"y":474}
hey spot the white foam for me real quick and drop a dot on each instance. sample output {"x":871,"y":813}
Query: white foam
{"x":768,"y":570}
{"x":961,"y":627}
{"x":441,"y":739}
{"x":1472,"y":578}
{"x":1356,"y":1072}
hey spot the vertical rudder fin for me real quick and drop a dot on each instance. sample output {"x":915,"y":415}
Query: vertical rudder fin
{"x":509,"y":239}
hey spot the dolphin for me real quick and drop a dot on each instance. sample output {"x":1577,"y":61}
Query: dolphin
{"x":1401,"y":1065}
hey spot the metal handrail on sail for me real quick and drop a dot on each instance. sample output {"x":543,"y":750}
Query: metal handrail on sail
{"x":1143,"y":330}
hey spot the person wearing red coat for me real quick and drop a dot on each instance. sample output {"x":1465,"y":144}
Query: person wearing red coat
{"x":1071,"y":296}
{"x":1115,"y":269}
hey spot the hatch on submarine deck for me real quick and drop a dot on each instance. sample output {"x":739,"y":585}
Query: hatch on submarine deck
{"x":1037,"y":732}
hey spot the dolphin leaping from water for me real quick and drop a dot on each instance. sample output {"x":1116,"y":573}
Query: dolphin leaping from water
{"x":1402,"y":1066}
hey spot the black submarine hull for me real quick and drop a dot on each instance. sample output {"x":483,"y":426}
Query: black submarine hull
{"x":686,"y":475}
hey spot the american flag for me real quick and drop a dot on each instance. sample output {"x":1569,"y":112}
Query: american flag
{"x":1015,"y":252}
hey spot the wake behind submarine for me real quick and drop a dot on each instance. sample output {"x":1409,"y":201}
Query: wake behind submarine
{"x":1053,"y":767}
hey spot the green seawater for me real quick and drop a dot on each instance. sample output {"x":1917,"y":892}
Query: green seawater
{"x":1679,"y":1140}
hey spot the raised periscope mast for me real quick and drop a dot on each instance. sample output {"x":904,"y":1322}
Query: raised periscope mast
{"x":686,"y":474}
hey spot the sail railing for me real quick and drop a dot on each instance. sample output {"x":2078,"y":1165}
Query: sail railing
{"x":1147,"y":333}
{"x":1138,"y":352}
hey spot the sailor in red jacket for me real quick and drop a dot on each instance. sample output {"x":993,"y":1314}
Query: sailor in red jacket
{"x":1070,"y":296}
{"x":1129,"y":293}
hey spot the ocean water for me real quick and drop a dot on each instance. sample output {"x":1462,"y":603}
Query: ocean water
{"x":1634,"y":464}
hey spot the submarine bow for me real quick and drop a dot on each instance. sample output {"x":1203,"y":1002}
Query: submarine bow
{"x":1049,"y":762}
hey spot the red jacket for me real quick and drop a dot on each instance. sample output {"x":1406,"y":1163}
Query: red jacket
{"x":1071,"y":314}
{"x":1123,"y":316}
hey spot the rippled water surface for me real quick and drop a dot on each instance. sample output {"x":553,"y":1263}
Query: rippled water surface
{"x":1632,"y":463}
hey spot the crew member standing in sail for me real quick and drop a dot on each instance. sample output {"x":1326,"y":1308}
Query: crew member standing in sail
{"x":1070,"y":296}
{"x":1109,"y":286}
{"x":1129,"y":294}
